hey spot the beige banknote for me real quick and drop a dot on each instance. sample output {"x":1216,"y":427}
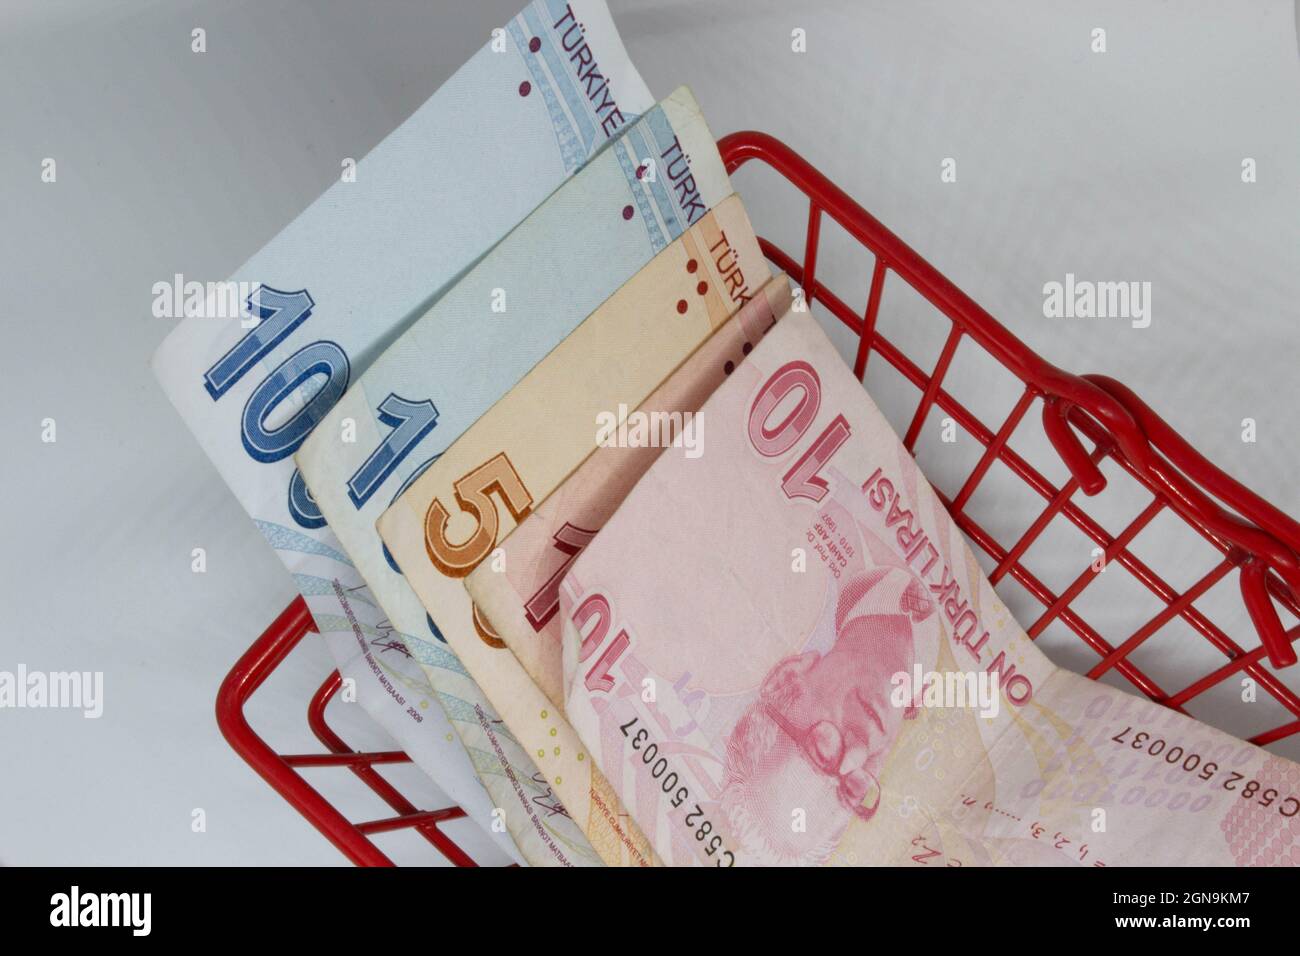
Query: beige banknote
{"x":454,"y":515}
{"x":521,"y":595}
{"x":784,"y":653}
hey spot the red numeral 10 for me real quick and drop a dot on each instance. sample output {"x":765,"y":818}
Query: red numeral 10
{"x":569,"y":541}
{"x":802,"y":480}
{"x":598,"y":678}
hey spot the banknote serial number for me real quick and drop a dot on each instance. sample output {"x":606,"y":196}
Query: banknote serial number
{"x":1193,"y":764}
{"x":695,"y":821}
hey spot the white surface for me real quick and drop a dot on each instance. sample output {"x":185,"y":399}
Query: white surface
{"x":1115,"y":166}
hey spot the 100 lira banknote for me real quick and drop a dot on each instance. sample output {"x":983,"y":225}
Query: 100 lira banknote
{"x":453,"y":516}
{"x":784,"y":653}
{"x":343,"y":279}
{"x":661,"y":175}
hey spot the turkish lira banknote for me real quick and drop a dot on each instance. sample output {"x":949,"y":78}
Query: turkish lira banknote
{"x":784,"y":653}
{"x":530,"y":109}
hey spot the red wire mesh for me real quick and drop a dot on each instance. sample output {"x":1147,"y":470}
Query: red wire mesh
{"x":281,"y":770}
{"x":1248,"y":533}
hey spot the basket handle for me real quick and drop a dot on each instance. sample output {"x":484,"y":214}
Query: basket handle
{"x":1263,"y":613}
{"x":1067,"y":445}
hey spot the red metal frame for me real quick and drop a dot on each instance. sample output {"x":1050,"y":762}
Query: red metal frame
{"x":1250,"y":534}
{"x":280,"y":770}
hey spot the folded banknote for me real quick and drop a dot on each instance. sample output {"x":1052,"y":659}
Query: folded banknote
{"x":783,"y":652}
{"x":518,"y":592}
{"x":343,"y":279}
{"x":452,"y":517}
{"x":598,"y":230}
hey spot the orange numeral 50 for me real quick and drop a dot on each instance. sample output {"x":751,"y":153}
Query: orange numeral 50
{"x":474,"y":495}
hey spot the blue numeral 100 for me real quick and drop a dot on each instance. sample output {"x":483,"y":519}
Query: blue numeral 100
{"x":281,"y":313}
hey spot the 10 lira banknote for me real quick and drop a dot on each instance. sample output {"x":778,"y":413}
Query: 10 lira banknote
{"x":783,"y":652}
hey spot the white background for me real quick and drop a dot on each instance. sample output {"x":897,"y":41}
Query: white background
{"x":1116,"y":166}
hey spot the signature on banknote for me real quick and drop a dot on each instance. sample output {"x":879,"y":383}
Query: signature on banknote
{"x":546,"y":799}
{"x":390,"y":644}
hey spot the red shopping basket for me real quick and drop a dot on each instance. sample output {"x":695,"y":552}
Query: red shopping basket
{"x":1249,"y":534}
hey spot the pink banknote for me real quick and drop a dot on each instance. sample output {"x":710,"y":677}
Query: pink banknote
{"x":782,"y":652}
